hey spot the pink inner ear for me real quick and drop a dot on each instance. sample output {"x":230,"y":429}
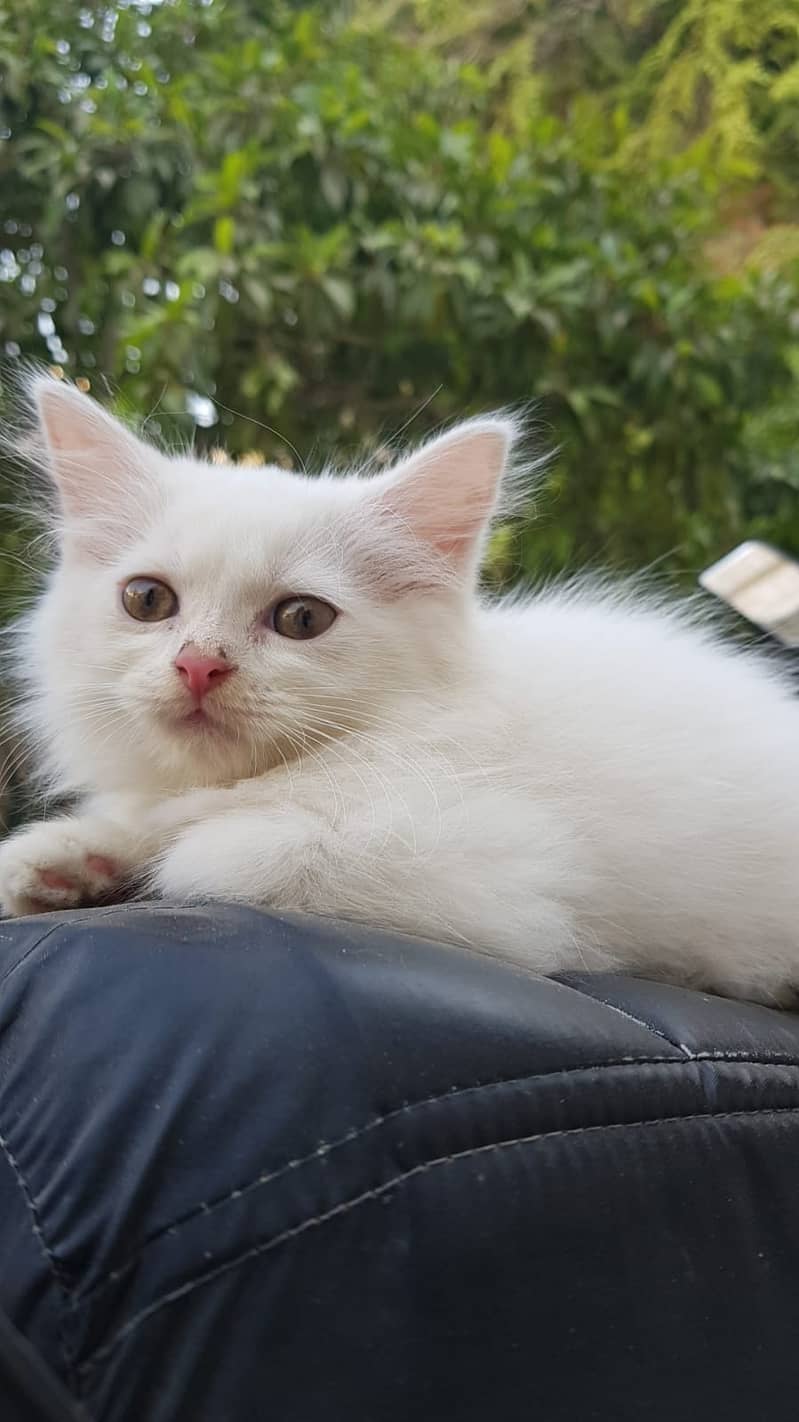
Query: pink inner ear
{"x":446,"y":494}
{"x":106,"y":477}
{"x":71,"y":421}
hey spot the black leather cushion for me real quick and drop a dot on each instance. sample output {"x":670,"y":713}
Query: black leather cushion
{"x":256,"y":1167}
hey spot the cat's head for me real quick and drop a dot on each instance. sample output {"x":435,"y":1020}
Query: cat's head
{"x":205,"y":622}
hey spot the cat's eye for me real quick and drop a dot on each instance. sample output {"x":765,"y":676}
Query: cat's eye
{"x":303,"y":617}
{"x":149,"y":600}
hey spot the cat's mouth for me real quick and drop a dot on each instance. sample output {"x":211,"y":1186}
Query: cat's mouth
{"x":185,"y":718}
{"x":198,"y":719}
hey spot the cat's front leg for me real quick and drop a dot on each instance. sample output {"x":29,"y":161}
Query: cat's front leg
{"x":97,"y":854}
{"x":100,"y":852}
{"x":256,"y":856}
{"x":103,"y":849}
{"x":70,"y":862}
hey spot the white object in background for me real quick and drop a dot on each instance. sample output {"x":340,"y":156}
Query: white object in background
{"x":762,"y":584}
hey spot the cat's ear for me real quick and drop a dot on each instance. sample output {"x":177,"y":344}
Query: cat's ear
{"x":446,"y":493}
{"x":101,"y":470}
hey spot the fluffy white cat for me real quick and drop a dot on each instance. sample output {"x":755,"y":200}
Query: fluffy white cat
{"x":286,"y":690}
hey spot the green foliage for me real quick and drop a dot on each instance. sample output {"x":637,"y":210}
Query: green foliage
{"x":714,"y":81}
{"x":323,"y":224}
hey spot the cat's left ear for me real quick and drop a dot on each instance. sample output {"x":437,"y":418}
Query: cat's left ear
{"x":446,"y":493}
{"x":102,"y":472}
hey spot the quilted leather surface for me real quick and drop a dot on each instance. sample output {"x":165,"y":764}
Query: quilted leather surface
{"x":259,"y":1167}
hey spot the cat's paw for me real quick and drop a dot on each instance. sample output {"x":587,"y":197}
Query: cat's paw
{"x":63,"y":864}
{"x":248,"y":856}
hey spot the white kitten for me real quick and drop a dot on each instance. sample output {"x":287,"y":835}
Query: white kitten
{"x":285,"y":690}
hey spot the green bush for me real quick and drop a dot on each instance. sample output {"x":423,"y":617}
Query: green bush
{"x":335,"y":231}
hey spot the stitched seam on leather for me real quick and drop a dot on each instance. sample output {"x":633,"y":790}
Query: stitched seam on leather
{"x":631,"y":1017}
{"x":61,"y":923}
{"x":58,"y":1276}
{"x":377,"y":1191}
{"x":37,"y":944}
{"x":53,"y":1265}
{"x":269,"y":1177}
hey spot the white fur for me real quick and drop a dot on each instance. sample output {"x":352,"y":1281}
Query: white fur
{"x":580,"y":780}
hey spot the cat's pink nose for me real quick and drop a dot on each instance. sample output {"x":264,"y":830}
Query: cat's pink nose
{"x":200,"y":672}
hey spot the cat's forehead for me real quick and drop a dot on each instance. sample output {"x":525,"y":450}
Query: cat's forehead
{"x":264,"y":492}
{"x":234,"y":525}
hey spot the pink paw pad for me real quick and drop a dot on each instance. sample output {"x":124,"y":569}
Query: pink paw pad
{"x":98,"y":864}
{"x":52,"y":880}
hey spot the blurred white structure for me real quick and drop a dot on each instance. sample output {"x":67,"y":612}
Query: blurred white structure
{"x":761,"y":584}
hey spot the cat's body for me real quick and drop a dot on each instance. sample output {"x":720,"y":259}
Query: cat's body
{"x":581,"y":781}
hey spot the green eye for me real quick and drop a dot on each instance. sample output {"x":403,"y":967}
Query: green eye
{"x":303,"y":617}
{"x":149,"y":600}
